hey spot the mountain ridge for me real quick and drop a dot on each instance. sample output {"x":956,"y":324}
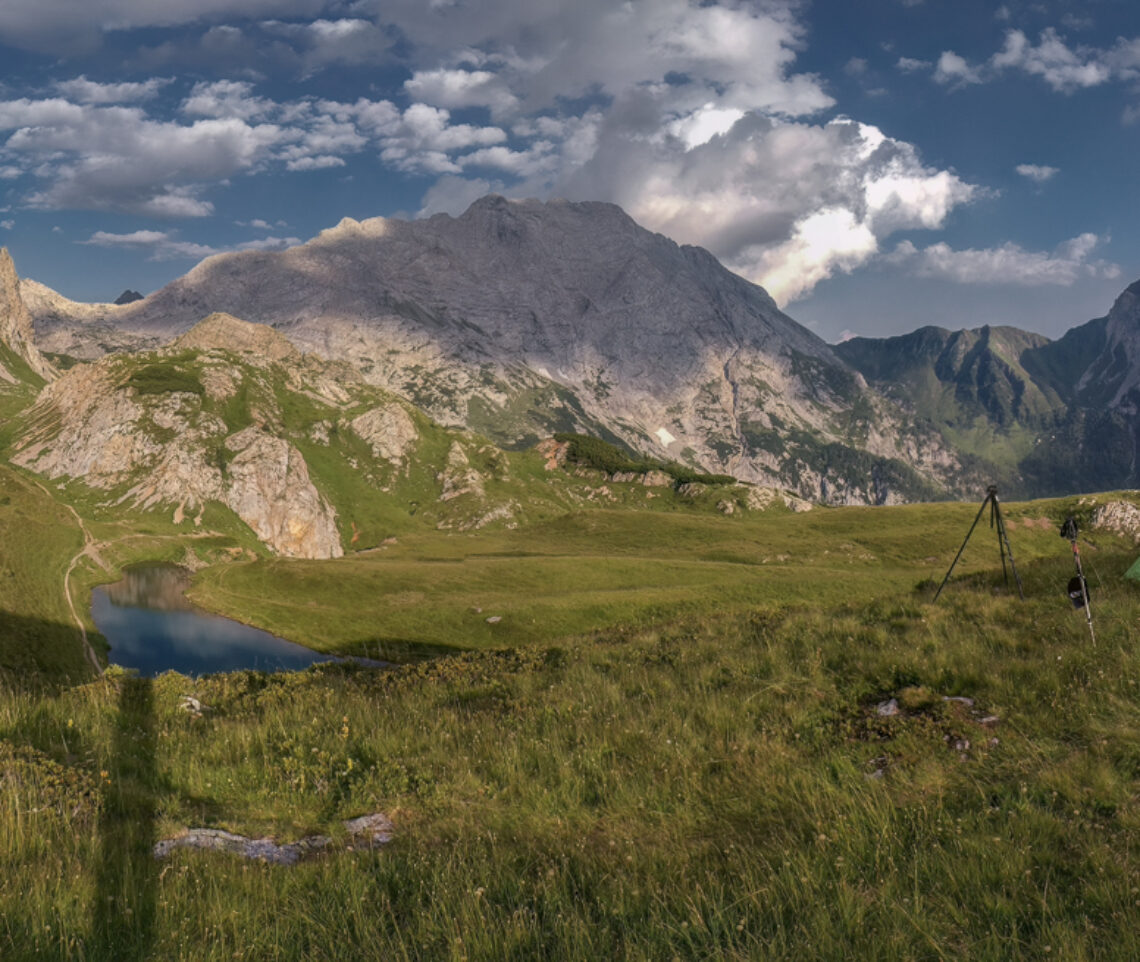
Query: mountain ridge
{"x":519,"y":319}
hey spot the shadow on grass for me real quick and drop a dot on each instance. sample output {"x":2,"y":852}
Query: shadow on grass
{"x":123,"y":911}
{"x":39,"y":656}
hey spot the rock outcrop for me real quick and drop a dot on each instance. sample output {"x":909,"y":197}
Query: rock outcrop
{"x":269,"y":488}
{"x":1119,"y":517}
{"x":16,"y":330}
{"x":163,"y":448}
{"x":389,"y":431}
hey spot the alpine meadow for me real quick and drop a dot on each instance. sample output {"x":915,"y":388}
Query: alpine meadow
{"x":569,"y":482}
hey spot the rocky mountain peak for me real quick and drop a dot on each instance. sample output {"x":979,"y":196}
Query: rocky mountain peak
{"x":1114,"y":377}
{"x":16,"y":330}
{"x":521,"y":318}
{"x":224,"y":332}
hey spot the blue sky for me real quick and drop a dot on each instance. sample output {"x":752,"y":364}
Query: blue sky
{"x":876,"y":165}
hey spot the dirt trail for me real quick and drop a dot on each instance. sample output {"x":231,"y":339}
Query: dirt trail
{"x":90,"y":550}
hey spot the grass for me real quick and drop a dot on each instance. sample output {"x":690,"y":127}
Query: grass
{"x":683,"y":760}
{"x":590,"y":570}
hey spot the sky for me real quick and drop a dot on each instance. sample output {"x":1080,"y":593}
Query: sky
{"x":876,"y":165}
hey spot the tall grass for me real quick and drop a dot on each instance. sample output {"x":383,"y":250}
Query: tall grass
{"x":708,"y":780}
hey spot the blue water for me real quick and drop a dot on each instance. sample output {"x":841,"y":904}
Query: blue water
{"x":152,"y":627}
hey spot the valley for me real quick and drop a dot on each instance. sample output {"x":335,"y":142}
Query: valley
{"x":655,"y":582}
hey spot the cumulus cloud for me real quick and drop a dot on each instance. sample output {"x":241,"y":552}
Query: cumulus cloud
{"x":84,"y":91}
{"x":267,"y":244}
{"x":787,"y":204}
{"x":955,"y":71}
{"x":166,"y":245}
{"x":117,"y":158}
{"x":911,"y":65}
{"x":349,"y":40}
{"x":60,"y":26}
{"x":158,"y":245}
{"x":450,"y":194}
{"x":7,"y":224}
{"x":1038,"y":173}
{"x":461,"y":88}
{"x":1007,"y":264}
{"x":1063,"y":67}
{"x":1060,"y":67}
{"x":226,"y":98}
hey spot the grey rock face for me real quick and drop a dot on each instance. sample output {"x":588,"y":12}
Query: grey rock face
{"x":389,"y":431}
{"x":164,"y":449}
{"x":519,"y":318}
{"x":16,"y":329}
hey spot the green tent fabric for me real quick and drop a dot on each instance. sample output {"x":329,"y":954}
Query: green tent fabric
{"x":1133,"y":573}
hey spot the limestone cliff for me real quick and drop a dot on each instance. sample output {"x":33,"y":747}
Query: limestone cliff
{"x":16,"y":331}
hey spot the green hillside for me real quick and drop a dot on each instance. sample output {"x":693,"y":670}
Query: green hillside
{"x":670,"y":746}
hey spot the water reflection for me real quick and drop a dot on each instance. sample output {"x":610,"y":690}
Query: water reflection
{"x":156,"y":587}
{"x":152,"y":627}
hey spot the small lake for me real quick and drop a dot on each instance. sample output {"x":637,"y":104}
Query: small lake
{"x":153,"y":627}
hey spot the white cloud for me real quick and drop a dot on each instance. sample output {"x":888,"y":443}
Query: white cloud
{"x":955,"y":71}
{"x":522,"y":163}
{"x":166,"y":246}
{"x":786,"y":204}
{"x":1038,"y":173}
{"x":319,"y":162}
{"x":1062,"y":67}
{"x":911,"y":65}
{"x":117,"y":158}
{"x":452,"y":195}
{"x":267,"y":244}
{"x":159,"y":245}
{"x":10,"y":173}
{"x":318,"y":44}
{"x":703,"y":124}
{"x":7,"y":224}
{"x":85,"y":91}
{"x":826,"y":241}
{"x":60,"y":26}
{"x":553,"y":50}
{"x":461,"y":88}
{"x":1008,"y":264}
{"x":226,"y":98}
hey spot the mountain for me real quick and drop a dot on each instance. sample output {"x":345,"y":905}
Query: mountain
{"x":231,"y":431}
{"x":519,"y":319}
{"x":1041,"y":417}
{"x":20,"y":359}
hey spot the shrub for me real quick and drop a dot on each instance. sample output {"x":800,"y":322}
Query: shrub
{"x":595,"y":453}
{"x":165,"y":379}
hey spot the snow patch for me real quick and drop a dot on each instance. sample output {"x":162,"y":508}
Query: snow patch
{"x":664,"y":437}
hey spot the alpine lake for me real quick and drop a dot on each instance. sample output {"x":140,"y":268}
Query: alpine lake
{"x":152,"y":627}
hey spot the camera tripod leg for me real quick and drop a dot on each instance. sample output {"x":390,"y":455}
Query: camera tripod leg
{"x":978,"y":518}
{"x":1003,"y":539}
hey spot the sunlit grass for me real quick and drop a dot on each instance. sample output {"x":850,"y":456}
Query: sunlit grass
{"x":696,"y":771}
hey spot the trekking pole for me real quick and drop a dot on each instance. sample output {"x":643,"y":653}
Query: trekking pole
{"x":1078,"y":587}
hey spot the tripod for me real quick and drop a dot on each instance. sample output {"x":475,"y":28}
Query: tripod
{"x":996,"y":521}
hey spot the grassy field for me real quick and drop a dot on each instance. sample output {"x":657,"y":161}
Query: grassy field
{"x":669,"y":747}
{"x":590,"y":570}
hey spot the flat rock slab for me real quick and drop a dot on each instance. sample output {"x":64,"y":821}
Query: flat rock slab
{"x":375,"y":829}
